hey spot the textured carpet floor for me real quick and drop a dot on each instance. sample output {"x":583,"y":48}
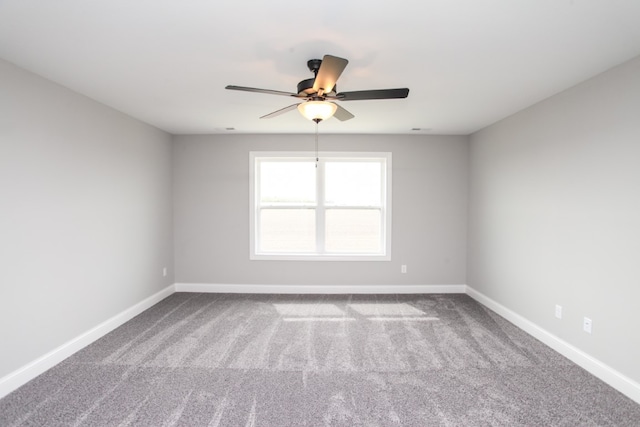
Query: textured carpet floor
{"x":292,"y":360}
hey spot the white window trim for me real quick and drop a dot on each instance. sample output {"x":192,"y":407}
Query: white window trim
{"x":283,"y":155}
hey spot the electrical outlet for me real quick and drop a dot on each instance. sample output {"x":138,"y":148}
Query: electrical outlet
{"x":403,"y":269}
{"x":586,"y":325}
{"x":164,"y":272}
{"x":558,"y":311}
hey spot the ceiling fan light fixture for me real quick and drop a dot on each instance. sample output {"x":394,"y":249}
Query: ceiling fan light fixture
{"x":317,"y":110}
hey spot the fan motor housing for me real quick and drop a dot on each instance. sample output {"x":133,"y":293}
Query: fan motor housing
{"x":305,"y":87}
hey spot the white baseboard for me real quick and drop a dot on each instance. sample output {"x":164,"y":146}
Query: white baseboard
{"x":615,"y":379}
{"x":319,"y":289}
{"x":28,"y":372}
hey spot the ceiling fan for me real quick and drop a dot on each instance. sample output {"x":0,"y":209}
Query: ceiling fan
{"x":320,"y":91}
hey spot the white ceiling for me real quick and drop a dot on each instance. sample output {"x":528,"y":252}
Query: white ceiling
{"x":468,"y":63}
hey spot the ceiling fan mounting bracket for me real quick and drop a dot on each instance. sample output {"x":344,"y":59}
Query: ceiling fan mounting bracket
{"x":314,"y":65}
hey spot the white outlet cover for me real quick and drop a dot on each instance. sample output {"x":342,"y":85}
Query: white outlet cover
{"x":587,"y":325}
{"x":559,"y":311}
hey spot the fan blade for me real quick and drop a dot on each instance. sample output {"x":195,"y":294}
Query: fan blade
{"x":328,"y":74}
{"x":373,"y":94}
{"x":267,"y":91}
{"x":280,"y":111}
{"x":342,"y":114}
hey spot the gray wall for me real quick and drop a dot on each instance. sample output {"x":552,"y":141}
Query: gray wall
{"x":555,"y":215}
{"x":211,"y":185}
{"x":85,"y":217}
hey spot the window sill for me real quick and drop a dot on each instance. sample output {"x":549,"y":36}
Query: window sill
{"x":316,"y":257}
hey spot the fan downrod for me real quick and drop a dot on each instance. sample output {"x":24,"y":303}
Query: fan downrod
{"x":305,"y":87}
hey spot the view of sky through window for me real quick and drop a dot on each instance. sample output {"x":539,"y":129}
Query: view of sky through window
{"x":288,"y":182}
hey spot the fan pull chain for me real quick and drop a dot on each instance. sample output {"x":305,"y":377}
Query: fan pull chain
{"x":317,"y":158}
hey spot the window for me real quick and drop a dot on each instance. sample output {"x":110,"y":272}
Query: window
{"x":338,"y":208}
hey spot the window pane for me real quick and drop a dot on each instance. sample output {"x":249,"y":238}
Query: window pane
{"x":353,"y":230}
{"x":287,"y":230}
{"x":352,"y":183}
{"x":287,"y":182}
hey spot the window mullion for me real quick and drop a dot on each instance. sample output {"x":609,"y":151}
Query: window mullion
{"x":320,"y":208}
{"x":383,"y":204}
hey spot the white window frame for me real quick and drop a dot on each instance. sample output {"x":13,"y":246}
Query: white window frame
{"x":255,"y":157}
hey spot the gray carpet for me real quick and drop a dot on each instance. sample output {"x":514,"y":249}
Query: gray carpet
{"x":292,"y":360}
